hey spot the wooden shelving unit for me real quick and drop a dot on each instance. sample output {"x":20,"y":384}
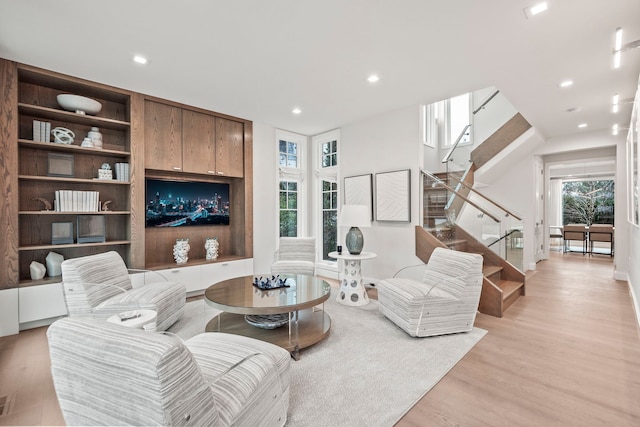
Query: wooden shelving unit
{"x":37,"y":92}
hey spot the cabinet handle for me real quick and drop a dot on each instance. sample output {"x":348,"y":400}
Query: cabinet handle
{"x":220,"y":173}
{"x":175,"y":270}
{"x":177,"y":168}
{"x":224,"y":264}
{"x":211,"y":172}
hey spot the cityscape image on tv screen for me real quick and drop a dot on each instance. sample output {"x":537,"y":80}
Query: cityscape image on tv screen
{"x":185,"y":203}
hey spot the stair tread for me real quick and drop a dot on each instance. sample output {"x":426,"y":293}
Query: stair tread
{"x":489,"y":270}
{"x":509,"y":286}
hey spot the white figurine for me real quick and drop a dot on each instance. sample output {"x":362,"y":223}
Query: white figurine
{"x":211,"y":246}
{"x":181,"y":251}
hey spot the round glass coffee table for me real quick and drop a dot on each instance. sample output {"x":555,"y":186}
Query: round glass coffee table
{"x":291,"y":317}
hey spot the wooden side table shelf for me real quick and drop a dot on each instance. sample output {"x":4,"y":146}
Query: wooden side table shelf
{"x":352,"y":291}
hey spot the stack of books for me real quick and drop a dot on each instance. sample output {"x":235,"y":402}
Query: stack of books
{"x":41,"y":131}
{"x":77,"y":201}
{"x":122,"y":172}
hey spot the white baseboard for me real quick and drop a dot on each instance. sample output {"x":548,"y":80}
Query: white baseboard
{"x":636,"y":305}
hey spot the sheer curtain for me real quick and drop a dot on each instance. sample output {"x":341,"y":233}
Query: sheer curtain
{"x":555,"y":202}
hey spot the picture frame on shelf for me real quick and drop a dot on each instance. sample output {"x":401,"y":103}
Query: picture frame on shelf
{"x":61,"y":233}
{"x":393,"y":196}
{"x":91,"y":229}
{"x":60,"y":165}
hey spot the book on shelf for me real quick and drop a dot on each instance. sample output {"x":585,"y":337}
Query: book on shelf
{"x":36,"y":130}
{"x":122,"y":172}
{"x":41,"y":131}
{"x":77,"y":201}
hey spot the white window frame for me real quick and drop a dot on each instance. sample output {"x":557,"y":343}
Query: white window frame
{"x":429,"y":125}
{"x":448,"y":139}
{"x":287,"y":173}
{"x":332,"y":174}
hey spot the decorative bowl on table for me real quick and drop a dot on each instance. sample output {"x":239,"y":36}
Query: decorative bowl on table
{"x":79,"y":104}
{"x":266,"y":283}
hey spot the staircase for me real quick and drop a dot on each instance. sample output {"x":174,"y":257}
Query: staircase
{"x":503,"y":283}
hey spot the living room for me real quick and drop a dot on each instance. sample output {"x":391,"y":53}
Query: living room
{"x":373,"y":137}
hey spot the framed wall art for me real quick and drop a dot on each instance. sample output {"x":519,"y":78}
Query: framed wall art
{"x":393,"y":196}
{"x":358,"y":190}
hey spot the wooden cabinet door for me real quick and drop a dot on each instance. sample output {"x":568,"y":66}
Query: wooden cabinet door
{"x":229,"y":148}
{"x":162,"y":136}
{"x":198,"y":142}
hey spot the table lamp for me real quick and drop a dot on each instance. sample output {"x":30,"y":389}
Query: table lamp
{"x":355,"y":216}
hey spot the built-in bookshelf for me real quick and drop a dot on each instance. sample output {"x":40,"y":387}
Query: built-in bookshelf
{"x":38,"y":187}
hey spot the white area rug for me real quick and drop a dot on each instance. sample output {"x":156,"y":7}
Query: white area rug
{"x":367,"y":372}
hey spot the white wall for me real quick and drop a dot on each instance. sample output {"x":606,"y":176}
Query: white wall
{"x":265,"y":197}
{"x":384,"y":143}
{"x":495,"y":114}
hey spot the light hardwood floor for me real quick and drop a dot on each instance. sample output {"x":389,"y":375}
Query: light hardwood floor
{"x":566,"y":354}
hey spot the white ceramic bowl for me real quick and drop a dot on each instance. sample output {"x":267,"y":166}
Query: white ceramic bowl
{"x":79,"y":104}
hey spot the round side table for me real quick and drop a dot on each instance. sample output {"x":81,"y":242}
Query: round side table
{"x":352,"y":291}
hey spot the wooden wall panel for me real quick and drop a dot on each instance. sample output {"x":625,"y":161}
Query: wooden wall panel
{"x":8,"y":175}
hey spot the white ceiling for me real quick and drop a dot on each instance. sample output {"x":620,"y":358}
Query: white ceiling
{"x":258,"y":59}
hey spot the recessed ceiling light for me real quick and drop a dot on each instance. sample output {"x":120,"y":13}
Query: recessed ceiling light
{"x":616,"y":103}
{"x":616,"y":48}
{"x":536,"y":9}
{"x":614,"y":129}
{"x":296,"y":111}
{"x":140,"y":59}
{"x":566,"y":83}
{"x":373,"y":78}
{"x":582,"y":125}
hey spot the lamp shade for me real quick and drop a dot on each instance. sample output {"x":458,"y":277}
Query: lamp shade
{"x":355,"y":216}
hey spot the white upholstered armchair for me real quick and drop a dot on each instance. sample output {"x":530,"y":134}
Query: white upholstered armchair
{"x":99,"y":286}
{"x":295,"y":255}
{"x":106,"y":374}
{"x":440,"y":297}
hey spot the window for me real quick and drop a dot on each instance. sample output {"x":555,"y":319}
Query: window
{"x":329,"y":154}
{"x":291,"y":173}
{"x":459,"y":116}
{"x":327,"y":190}
{"x":288,"y":209}
{"x":429,"y":114}
{"x":288,"y":153}
{"x":329,"y":218}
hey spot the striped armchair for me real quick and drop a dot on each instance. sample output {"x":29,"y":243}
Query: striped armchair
{"x":107,"y":374}
{"x":295,"y":255}
{"x":440,"y":297}
{"x":99,"y":286}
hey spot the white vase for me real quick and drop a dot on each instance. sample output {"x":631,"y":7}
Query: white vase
{"x":37,"y":270}
{"x":96,"y":137}
{"x":181,"y":251}
{"x":211,"y":247}
{"x":53,"y":264}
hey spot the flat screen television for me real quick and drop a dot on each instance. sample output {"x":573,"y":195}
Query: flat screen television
{"x":173,"y":203}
